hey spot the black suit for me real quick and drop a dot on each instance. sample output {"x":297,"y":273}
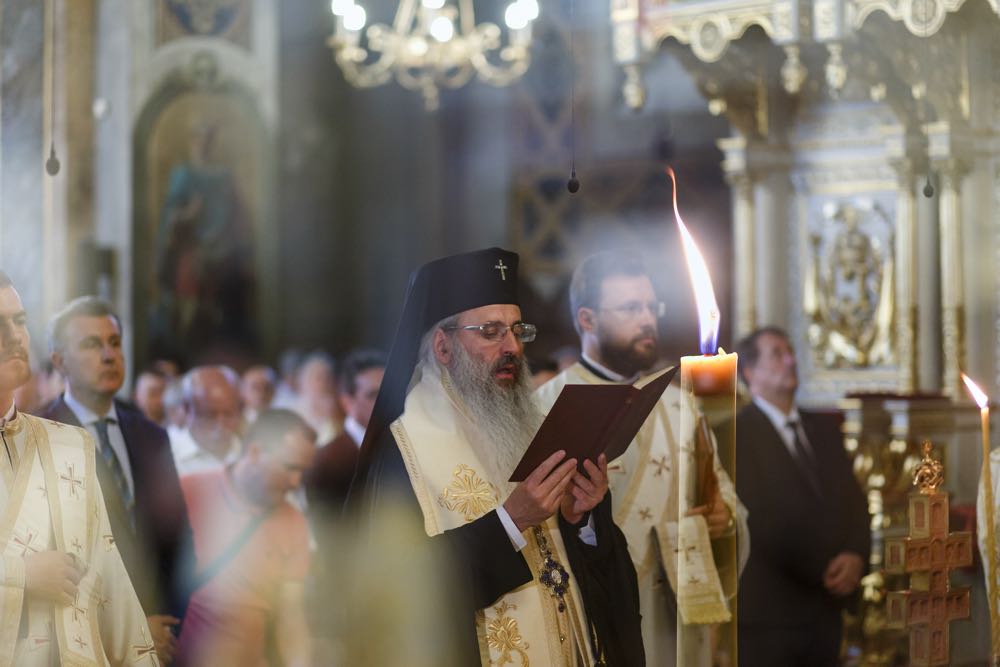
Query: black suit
{"x":153,"y":552}
{"x":786,"y":616}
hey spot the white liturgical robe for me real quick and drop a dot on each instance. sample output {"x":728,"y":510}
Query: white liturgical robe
{"x":51,"y":501}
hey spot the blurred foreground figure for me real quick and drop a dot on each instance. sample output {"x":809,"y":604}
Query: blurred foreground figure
{"x":252,"y":549}
{"x":134,"y":465}
{"x":616,"y":312}
{"x":808,"y":517}
{"x":542,"y":573}
{"x":66,"y":598}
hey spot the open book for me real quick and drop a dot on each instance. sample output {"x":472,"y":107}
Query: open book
{"x":588,"y":419}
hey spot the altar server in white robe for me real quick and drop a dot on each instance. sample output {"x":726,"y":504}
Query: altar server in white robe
{"x":616,"y":311}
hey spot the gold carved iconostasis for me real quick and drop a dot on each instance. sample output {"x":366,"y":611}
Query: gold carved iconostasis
{"x":203,"y":237}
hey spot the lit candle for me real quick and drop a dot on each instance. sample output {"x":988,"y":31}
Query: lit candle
{"x":991,"y":540}
{"x":708,"y":396}
{"x":713,"y":373}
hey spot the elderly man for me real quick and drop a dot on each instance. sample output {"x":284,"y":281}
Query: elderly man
{"x":615,"y":311}
{"x":65,"y":598}
{"x":252,"y":549}
{"x":214,"y":420}
{"x":545,"y":571}
{"x":808,"y":516}
{"x":134,"y":465}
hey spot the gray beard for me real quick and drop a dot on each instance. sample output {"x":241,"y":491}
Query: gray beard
{"x":507,"y":417}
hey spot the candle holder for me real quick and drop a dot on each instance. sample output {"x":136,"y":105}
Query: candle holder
{"x":706,"y":569}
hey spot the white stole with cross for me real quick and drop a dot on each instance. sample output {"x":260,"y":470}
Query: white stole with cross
{"x":524,"y":626}
{"x":644,"y":485}
{"x":55,"y":503}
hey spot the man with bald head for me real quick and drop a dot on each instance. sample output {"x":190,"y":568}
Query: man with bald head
{"x":211,"y":437}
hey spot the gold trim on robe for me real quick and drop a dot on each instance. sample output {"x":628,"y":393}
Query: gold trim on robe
{"x":433,"y":437}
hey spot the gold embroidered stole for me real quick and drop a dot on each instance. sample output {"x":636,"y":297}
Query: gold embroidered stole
{"x":524,"y":626}
{"x":54,"y":497}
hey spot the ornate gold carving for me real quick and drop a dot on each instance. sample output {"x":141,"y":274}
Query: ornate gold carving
{"x":503,"y":635}
{"x":793,"y":72}
{"x":469,"y":494}
{"x":930,"y":473}
{"x":849,"y":292}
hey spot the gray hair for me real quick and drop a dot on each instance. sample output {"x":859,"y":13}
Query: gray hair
{"x":187,"y":382}
{"x":84,"y":306}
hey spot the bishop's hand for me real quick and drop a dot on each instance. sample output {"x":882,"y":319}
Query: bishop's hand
{"x":587,"y":491}
{"x":52,"y":575}
{"x":537,"y":498}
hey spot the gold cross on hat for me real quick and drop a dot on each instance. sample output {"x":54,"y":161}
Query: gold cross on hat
{"x":502,"y":268}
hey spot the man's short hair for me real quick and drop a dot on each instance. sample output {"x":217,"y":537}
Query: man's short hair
{"x":5,"y":280}
{"x":272,"y":425}
{"x":747,"y":348}
{"x":585,"y":287}
{"x":84,"y":306}
{"x":354,"y":364}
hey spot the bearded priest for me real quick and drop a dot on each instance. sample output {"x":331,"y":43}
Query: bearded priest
{"x":66,"y":598}
{"x":545,"y":575}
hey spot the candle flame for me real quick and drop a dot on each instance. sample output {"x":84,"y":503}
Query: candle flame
{"x":977,"y":394}
{"x":701,"y":281}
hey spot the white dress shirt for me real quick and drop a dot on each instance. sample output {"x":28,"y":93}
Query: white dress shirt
{"x":88,"y":419}
{"x":780,"y":420}
{"x":190,"y":458}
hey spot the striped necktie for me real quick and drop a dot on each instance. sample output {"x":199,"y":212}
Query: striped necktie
{"x":115,"y":467}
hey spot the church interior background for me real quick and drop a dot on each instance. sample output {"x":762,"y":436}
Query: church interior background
{"x":838,"y":161}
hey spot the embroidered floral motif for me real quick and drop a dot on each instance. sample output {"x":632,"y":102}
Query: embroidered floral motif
{"x":503,"y":635}
{"x":469,"y":494}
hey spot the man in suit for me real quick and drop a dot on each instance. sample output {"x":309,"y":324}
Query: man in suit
{"x":808,"y":517}
{"x":329,"y":479}
{"x":134,"y":463}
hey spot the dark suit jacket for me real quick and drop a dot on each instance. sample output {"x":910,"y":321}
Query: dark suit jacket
{"x":329,"y":479}
{"x":793,"y":532}
{"x":154,"y":551}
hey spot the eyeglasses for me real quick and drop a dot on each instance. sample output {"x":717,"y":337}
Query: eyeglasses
{"x":634,"y":309}
{"x":494,"y":332}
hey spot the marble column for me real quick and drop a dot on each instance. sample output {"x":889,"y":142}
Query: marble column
{"x":744,"y":235}
{"x":952,"y":171}
{"x":906,"y":276}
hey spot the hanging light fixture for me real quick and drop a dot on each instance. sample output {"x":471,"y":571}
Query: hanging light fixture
{"x":431,"y":44}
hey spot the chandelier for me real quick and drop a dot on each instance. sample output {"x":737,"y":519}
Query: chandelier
{"x":432,"y":44}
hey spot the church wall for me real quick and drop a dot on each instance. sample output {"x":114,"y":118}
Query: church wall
{"x":22,"y":132}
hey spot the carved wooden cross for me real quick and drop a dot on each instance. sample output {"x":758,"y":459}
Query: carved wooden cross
{"x":928,"y":555}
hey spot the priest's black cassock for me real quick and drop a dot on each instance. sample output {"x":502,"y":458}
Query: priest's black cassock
{"x":486,"y":565}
